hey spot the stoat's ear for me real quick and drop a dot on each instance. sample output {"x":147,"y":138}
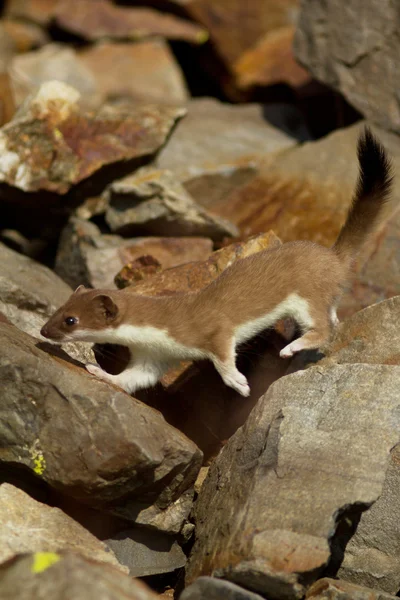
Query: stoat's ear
{"x":107,"y":305}
{"x":80,"y":289}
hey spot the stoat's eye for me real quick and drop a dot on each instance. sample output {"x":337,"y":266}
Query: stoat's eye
{"x":71,"y":321}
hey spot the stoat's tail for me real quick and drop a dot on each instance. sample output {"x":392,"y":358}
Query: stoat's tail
{"x":372,"y":192}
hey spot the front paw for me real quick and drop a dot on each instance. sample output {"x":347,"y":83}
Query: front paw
{"x":94,"y":370}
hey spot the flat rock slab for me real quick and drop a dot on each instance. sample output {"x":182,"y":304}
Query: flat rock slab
{"x":352,"y":47}
{"x":216,"y":589}
{"x":106,"y":20}
{"x":90,"y":440}
{"x":71,"y":144}
{"x":30,"y":293}
{"x":332,"y":589}
{"x":30,"y":526}
{"x":153,"y":201}
{"x":86,"y":256}
{"x":57,"y":576}
{"x":147,"y":552}
{"x":305,"y":192}
{"x":315,"y":445}
{"x":146,"y":71}
{"x":37,"y":11}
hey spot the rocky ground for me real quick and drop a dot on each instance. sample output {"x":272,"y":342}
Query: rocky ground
{"x":151,"y":144}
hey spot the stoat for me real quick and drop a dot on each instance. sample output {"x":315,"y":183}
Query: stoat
{"x":301,"y":280}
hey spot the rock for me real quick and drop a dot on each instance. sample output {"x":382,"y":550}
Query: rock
{"x":86,"y":256}
{"x":256,"y":21}
{"x":332,"y":589}
{"x":30,"y":293}
{"x":144,"y":72}
{"x":218,"y":147}
{"x":352,"y":47}
{"x":311,"y":456}
{"x":7,"y":51}
{"x":153,"y":201}
{"x":147,"y":552}
{"x":37,"y":11}
{"x":191,"y":277}
{"x":216,"y":589}
{"x":53,"y":62}
{"x":105,"y":20}
{"x":46,"y":575}
{"x":370,"y":336}
{"x":371,"y":557}
{"x":129,"y":461}
{"x":70,"y":145}
{"x":270,"y":62}
{"x":141,"y":268}
{"x":305,"y":192}
{"x":30,"y":526}
{"x":26,"y":36}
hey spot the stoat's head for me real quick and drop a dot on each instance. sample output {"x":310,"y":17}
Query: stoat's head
{"x":85,"y":314}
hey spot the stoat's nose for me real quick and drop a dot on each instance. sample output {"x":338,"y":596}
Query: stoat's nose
{"x":44,"y":331}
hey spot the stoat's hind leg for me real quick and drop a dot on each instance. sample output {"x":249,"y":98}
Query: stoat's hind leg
{"x":311,"y":339}
{"x":225,"y":364}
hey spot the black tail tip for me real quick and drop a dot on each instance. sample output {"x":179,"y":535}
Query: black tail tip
{"x":376,"y":171}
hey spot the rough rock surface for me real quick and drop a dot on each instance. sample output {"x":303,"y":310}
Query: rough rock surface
{"x":58,"y":576}
{"x":106,"y":20}
{"x":216,"y":589}
{"x":147,"y":552}
{"x":218,"y":147}
{"x":144,"y":72}
{"x":313,"y":451}
{"x":26,"y":36}
{"x":153,"y":201}
{"x":353,"y":48}
{"x":52,"y":62}
{"x":85,"y":256}
{"x":70,"y":145}
{"x":332,"y":589}
{"x":30,"y":526}
{"x":37,"y":11}
{"x":29,"y":295}
{"x":304,"y":198}
{"x":89,"y":439}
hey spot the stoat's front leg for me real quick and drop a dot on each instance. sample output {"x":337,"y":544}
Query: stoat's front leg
{"x":136,"y":376}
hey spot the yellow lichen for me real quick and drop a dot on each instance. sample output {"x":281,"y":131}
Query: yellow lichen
{"x":39,"y":462}
{"x":44,"y":560}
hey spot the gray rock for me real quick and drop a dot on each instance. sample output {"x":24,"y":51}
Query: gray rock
{"x":30,"y":526}
{"x":52,"y":62}
{"x":372,"y":556}
{"x":219,"y":147}
{"x":211,"y":588}
{"x":58,"y":576}
{"x":332,"y":589}
{"x":29,"y":295}
{"x":86,"y":256}
{"x":153,"y":201}
{"x":147,"y":552}
{"x":353,"y":47}
{"x":314,"y":451}
{"x":90,"y":440}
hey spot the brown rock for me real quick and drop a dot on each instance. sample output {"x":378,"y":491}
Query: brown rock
{"x":332,"y":589}
{"x":144,"y":72}
{"x":105,"y":20}
{"x":38,"y":11}
{"x":86,"y":256}
{"x":356,"y":56}
{"x":7,"y":51}
{"x":53,"y":62}
{"x":311,"y":456}
{"x":304,"y":193}
{"x":90,"y":440}
{"x":270,"y":62}
{"x":153,"y":201}
{"x":70,"y":145}
{"x":26,"y":36}
{"x":218,"y":147}
{"x":216,"y":589}
{"x":29,"y":526}
{"x":141,"y":268}
{"x":46,"y":575}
